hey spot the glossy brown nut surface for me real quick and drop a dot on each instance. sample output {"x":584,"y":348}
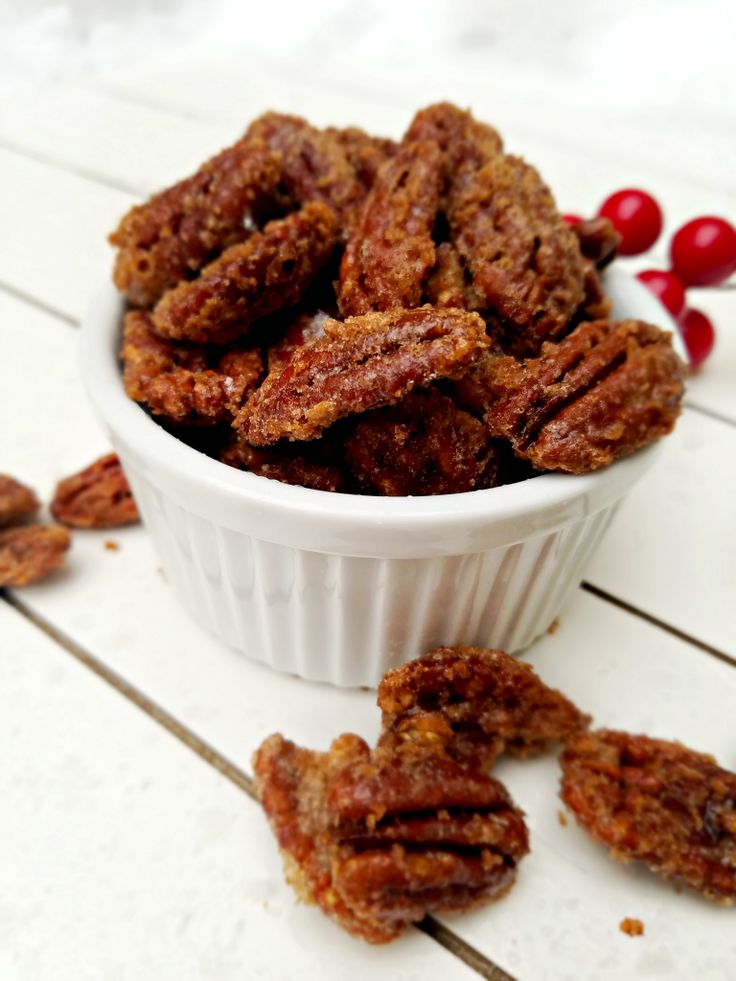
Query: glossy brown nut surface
{"x":306,"y":465}
{"x":31,"y":552}
{"x":17,"y":502}
{"x":358,"y":365}
{"x":178,"y":231}
{"x":656,"y":802}
{"x":269,"y":271}
{"x":478,"y":703}
{"x":96,"y":497}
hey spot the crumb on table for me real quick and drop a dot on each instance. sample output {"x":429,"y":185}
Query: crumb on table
{"x":562,"y":819}
{"x":631,"y":927}
{"x":112,"y":546}
{"x":554,"y":626}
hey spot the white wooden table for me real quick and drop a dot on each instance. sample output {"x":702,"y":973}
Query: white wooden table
{"x":130,"y":843}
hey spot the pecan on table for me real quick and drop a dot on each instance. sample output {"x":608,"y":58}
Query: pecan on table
{"x":656,"y":802}
{"x":379,"y":839}
{"x":477,"y":703}
{"x":31,"y":552}
{"x":96,"y":497}
{"x":17,"y":502}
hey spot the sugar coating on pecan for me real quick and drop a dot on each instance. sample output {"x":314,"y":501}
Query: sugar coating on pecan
{"x":305,"y":328}
{"x":185,"y":383}
{"x":308,"y":465}
{"x":390,"y":251}
{"x":31,"y":552}
{"x":524,"y":259}
{"x":607,"y":389}
{"x":264,"y":274}
{"x":96,"y":497}
{"x":365,"y":153}
{"x":360,"y":364}
{"x":314,"y":164}
{"x":17,"y":502}
{"x":465,"y":142}
{"x":656,"y":802}
{"x":180,"y":230}
{"x":422,"y":445}
{"x":379,"y":839}
{"x":446,"y":284}
{"x":477,"y":703}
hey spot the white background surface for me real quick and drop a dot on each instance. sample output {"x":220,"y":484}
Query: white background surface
{"x":123,"y":854}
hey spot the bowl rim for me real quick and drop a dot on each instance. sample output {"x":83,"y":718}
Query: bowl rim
{"x":348,"y":523}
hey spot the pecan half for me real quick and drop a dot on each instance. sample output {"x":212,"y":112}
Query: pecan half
{"x":390,"y":250}
{"x":423,"y":445}
{"x":656,"y":802}
{"x":604,"y":391}
{"x":266,"y":273}
{"x":477,"y":703}
{"x":315,"y":464}
{"x":185,"y":383}
{"x":358,"y":365}
{"x":17,"y":502}
{"x":524,"y":259}
{"x":365,"y":153}
{"x":31,"y":552}
{"x":178,"y":231}
{"x":381,"y":838}
{"x":96,"y":497}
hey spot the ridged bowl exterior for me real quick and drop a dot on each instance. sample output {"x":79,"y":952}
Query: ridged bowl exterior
{"x":347,"y":619}
{"x":337,"y":587}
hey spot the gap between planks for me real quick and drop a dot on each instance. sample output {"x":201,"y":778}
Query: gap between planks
{"x":429,"y":926}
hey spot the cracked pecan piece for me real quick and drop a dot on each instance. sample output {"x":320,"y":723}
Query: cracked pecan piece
{"x":422,"y":445}
{"x":177,"y":232}
{"x":524,"y":259}
{"x":185,"y":383}
{"x":314,"y":464}
{"x":477,"y":703}
{"x":17,"y":502}
{"x":607,"y":389}
{"x":379,"y":839}
{"x":656,"y":802}
{"x":31,"y":552}
{"x":390,"y":250}
{"x":314,"y":164}
{"x":96,"y":497}
{"x":269,"y":271}
{"x":360,"y":364}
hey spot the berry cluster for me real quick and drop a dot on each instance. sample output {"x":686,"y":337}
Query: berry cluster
{"x":702,"y":253}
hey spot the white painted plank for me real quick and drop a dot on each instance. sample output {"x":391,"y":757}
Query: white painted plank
{"x":125,"y":856}
{"x":669,"y":550}
{"x":53,"y":231}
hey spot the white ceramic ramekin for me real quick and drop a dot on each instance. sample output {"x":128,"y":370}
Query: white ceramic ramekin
{"x":337,"y":587}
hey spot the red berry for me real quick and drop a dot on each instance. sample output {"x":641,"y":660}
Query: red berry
{"x":698,"y":335}
{"x":637,"y":218}
{"x":703,"y":251}
{"x":666,"y":287}
{"x":572,"y":219}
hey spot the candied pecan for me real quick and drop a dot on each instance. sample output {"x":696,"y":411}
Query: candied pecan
{"x":314,"y":164}
{"x":312,"y":465}
{"x":178,"y":231}
{"x":31,"y":552}
{"x":601,"y":393}
{"x":423,"y":445}
{"x":465,"y":142}
{"x":366,"y":153}
{"x":596,"y":305}
{"x":379,"y":839}
{"x":174,"y":379}
{"x":445,"y":285}
{"x":599,"y":240}
{"x":267,"y":272}
{"x":17,"y":502}
{"x":656,"y":802}
{"x":524,"y":259}
{"x":304,"y":328}
{"x":360,"y":364}
{"x":479,"y":703}
{"x":390,"y":250}
{"x":96,"y":497}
